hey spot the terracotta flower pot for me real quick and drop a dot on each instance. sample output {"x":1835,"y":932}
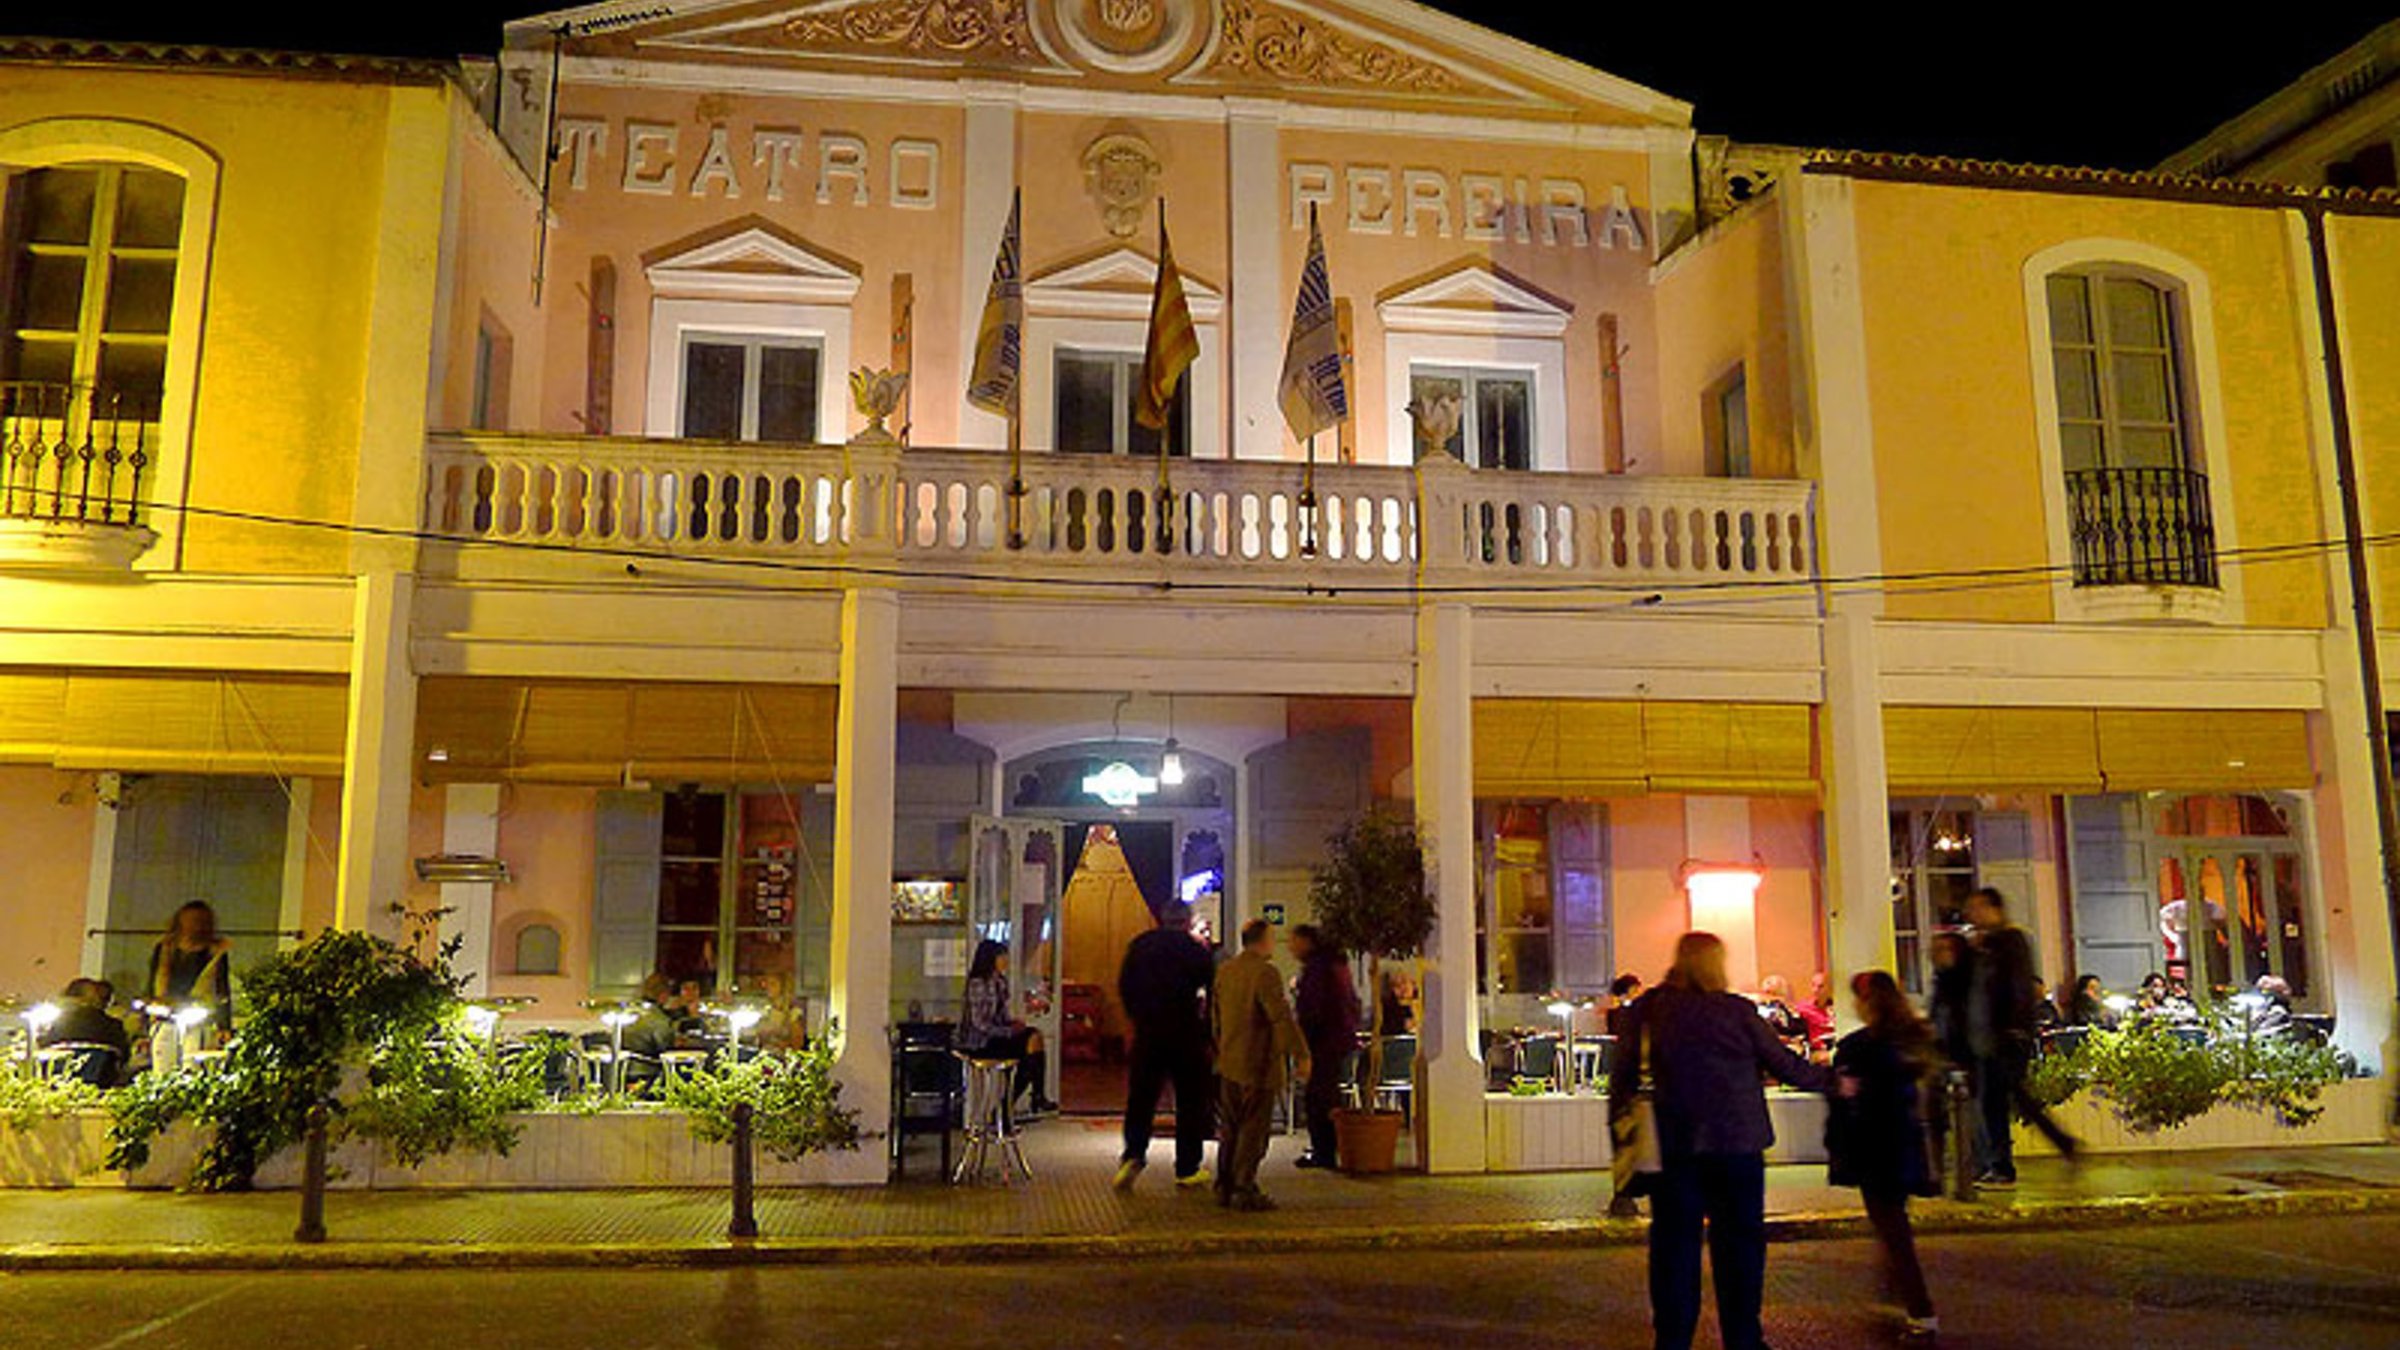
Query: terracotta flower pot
{"x":1367,"y":1140}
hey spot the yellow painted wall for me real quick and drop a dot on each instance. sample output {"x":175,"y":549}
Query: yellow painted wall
{"x":1950,"y":373}
{"x":1721,"y":306}
{"x":283,"y":370}
{"x":2366,"y":253}
{"x":45,"y":857}
{"x":495,"y":237}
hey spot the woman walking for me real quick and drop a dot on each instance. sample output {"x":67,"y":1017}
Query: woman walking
{"x":1875,"y":1136}
{"x":1706,"y":1049}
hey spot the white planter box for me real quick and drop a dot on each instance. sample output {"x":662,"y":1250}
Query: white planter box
{"x":553,"y":1152}
{"x":2354,"y":1114}
{"x":1551,"y":1133}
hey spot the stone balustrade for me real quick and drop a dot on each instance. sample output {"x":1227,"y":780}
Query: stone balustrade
{"x":952,"y":512}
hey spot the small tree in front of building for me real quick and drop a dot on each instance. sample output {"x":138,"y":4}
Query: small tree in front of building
{"x":1371,"y":899}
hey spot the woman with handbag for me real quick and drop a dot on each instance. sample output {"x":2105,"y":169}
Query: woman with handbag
{"x":1705,"y":1050}
{"x":1875,"y":1135}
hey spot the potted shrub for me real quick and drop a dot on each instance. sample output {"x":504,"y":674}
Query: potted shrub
{"x":1371,"y":900}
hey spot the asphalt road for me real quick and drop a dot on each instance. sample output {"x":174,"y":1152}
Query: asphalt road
{"x":2300,"y":1284}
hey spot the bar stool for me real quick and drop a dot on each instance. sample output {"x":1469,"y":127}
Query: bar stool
{"x":991,"y":1121}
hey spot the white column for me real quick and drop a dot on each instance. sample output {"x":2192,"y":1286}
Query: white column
{"x":101,"y":879}
{"x":865,"y":753}
{"x":377,"y":756}
{"x":1838,"y":450}
{"x":470,"y":826}
{"x":1444,"y":770}
{"x":1256,"y":296}
{"x":990,"y":176}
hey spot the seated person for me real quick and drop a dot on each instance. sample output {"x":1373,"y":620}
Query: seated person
{"x":1775,"y":1004}
{"x":2158,"y":998}
{"x":2087,"y":1004}
{"x":83,"y":1019}
{"x":2274,"y":1019}
{"x":650,"y":1034}
{"x":2046,"y":1016}
{"x":1622,"y":991}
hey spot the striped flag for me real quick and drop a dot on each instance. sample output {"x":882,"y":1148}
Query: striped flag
{"x":1313,"y":393}
{"x":1173,"y":345}
{"x":1000,"y":340}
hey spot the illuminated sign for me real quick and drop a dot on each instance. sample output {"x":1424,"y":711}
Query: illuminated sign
{"x":1120,"y":784}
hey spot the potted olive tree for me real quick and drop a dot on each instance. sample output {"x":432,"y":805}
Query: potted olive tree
{"x":1371,"y":900}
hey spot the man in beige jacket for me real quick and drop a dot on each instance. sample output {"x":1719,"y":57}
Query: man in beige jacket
{"x":1256,"y":1034}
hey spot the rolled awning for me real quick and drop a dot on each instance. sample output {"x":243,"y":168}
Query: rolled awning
{"x":603,"y":731}
{"x":1602,"y":748}
{"x":171,"y":722}
{"x":2075,"y":750}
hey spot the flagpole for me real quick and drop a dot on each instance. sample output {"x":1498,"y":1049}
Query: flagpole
{"x":1166,"y":418}
{"x":1016,"y":477}
{"x":1308,"y":501}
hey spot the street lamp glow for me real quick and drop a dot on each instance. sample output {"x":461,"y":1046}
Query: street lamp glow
{"x":1170,"y":768}
{"x":39,"y":1017}
{"x":481,"y":1020}
{"x":190,"y":1015}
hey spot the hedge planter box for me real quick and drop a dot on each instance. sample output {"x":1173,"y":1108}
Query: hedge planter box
{"x":1554,"y":1133}
{"x":2355,"y":1111}
{"x":553,"y":1152}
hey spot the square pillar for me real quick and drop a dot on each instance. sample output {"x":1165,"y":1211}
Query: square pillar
{"x":1444,"y":772}
{"x":866,"y":750}
{"x":378,"y":757}
{"x":1858,"y":822}
{"x":471,"y":826}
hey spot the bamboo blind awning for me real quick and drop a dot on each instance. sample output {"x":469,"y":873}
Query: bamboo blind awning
{"x":1599,"y":748}
{"x":32,"y":708}
{"x":597,"y":731}
{"x":159,"y":722}
{"x":2081,"y":750}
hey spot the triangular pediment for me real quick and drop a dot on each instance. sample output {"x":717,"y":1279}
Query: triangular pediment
{"x":1115,"y":284}
{"x":1376,"y":52}
{"x":751,"y":259}
{"x":1474,"y":297}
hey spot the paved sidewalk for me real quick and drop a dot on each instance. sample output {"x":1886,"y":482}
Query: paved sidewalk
{"x":1070,"y":1210}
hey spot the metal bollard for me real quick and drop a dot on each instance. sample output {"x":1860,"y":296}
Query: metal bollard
{"x":745,"y":1220}
{"x":312,"y":1179}
{"x":1962,"y":1137}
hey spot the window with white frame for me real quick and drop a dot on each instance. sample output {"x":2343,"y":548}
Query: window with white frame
{"x":1495,"y":425}
{"x":90,"y":282}
{"x":1093,"y":397}
{"x":2113,"y":345}
{"x":750,"y":387}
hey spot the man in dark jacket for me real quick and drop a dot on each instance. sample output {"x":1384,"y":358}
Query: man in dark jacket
{"x":1327,"y":1006}
{"x":2002,"y":1033}
{"x":1165,"y":975}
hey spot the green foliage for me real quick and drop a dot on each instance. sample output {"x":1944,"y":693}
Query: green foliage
{"x":1369,"y":894}
{"x":338,"y":1001}
{"x":795,"y":1102}
{"x":2154,"y":1079}
{"x":27,"y":1099}
{"x":429,"y":1096}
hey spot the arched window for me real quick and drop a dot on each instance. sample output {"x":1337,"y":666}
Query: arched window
{"x":537,"y":950}
{"x":91,"y":282}
{"x":2130,"y":426}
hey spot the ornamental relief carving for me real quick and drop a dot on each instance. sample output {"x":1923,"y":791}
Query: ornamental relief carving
{"x":1264,"y":41}
{"x":1121,"y":172}
{"x":996,"y":28}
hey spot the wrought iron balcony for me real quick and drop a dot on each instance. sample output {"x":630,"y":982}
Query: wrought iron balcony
{"x":1094,"y":516}
{"x":71,"y":465}
{"x":2141,"y":527}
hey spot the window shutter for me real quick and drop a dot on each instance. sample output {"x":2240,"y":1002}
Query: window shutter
{"x":1579,"y":860}
{"x":625,"y":891}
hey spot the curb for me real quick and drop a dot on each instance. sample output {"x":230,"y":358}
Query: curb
{"x":1937,"y":1217}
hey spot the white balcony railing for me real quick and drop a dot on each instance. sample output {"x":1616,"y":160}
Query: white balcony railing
{"x":1099,"y":516}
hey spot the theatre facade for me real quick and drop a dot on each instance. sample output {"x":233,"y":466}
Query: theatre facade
{"x":1783,"y":543}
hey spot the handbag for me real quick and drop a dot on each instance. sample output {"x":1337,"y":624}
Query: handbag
{"x":1633,"y":1134}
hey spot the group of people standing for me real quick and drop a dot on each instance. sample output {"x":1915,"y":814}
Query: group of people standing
{"x":1699,"y":1055}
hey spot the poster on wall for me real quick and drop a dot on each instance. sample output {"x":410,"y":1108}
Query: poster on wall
{"x":927,"y":900}
{"x":945,"y":958}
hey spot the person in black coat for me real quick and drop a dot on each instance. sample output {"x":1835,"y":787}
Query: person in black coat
{"x":1875,"y":1134}
{"x":1326,"y":1005}
{"x":1706,"y":1051}
{"x":1164,"y":985}
{"x":2001,"y":1030}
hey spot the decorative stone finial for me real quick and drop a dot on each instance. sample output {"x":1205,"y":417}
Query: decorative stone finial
{"x":1437,"y":417}
{"x":877,"y":394}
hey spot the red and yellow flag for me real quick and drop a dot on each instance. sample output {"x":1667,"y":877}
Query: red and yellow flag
{"x":1173,"y":345}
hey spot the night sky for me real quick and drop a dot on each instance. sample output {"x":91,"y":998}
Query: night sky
{"x":2120,"y":86}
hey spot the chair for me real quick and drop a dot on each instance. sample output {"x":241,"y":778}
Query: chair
{"x":1537,"y":1056}
{"x":991,"y":1120}
{"x":2315,"y":1028}
{"x":1398,"y":1081}
{"x":926,"y":1086}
